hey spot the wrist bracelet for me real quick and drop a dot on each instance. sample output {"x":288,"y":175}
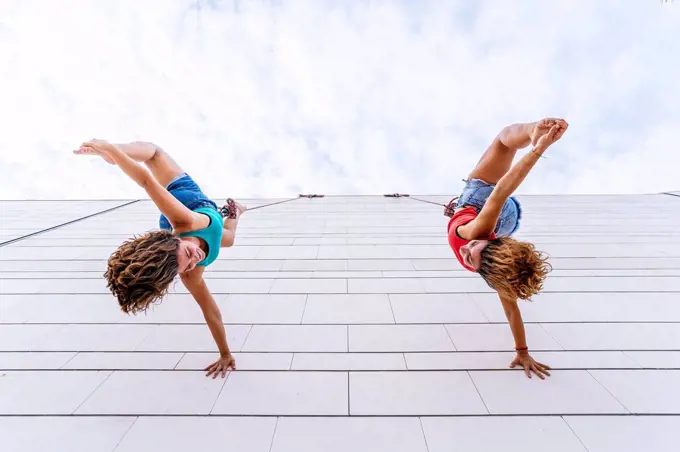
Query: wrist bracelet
{"x":540,"y":155}
{"x":519,"y":349}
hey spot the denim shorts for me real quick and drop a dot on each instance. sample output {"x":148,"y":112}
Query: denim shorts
{"x":186,"y":191}
{"x":476,"y":192}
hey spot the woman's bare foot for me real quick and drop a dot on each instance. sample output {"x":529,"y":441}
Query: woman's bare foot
{"x":87,"y":150}
{"x":240,"y":208}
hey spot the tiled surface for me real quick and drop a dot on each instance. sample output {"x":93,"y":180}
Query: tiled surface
{"x":489,"y":434}
{"x":353,"y":327}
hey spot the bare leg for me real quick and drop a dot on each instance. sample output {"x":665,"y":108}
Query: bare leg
{"x":497,"y":159}
{"x":229,"y":227}
{"x":159,"y":162}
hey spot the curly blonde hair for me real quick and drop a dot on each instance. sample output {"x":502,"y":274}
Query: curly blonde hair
{"x":140,"y":271}
{"x":514,"y":268}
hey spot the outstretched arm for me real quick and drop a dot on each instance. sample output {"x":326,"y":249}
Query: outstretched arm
{"x":485,"y":223}
{"x":196,"y":285}
{"x":178,"y":215}
{"x":514,"y":316}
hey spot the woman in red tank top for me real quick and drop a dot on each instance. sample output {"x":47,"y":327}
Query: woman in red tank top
{"x":485,"y":217}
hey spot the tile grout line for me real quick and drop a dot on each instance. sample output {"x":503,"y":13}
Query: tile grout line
{"x":450,"y":338}
{"x":389,"y":300}
{"x":111,"y":372}
{"x":572,"y":431}
{"x":246,"y":338}
{"x":478,"y":393}
{"x":555,"y":339}
{"x":349,"y":395}
{"x":304,"y":309}
{"x":68,"y":360}
{"x":126,"y":433}
{"x":33,"y":234}
{"x":422,"y":429}
{"x":271,"y":445}
{"x":609,"y":392}
{"x":182,"y":355}
{"x":220,"y":393}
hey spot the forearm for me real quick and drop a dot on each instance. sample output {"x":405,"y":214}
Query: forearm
{"x":134,"y":170}
{"x":514,"y":178}
{"x":514,"y":316}
{"x":213,"y":318}
{"x":211,"y":312}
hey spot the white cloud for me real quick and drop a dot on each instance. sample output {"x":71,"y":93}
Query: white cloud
{"x":267,"y":98}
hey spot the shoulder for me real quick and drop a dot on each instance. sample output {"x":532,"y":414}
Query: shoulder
{"x":199,"y":220}
{"x":462,"y":221}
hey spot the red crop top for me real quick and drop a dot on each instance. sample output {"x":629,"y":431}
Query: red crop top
{"x":463,"y":216}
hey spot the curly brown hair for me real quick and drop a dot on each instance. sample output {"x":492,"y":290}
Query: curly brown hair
{"x":140,"y":271}
{"x":514,"y":268}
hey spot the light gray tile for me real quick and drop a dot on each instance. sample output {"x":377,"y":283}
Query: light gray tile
{"x":656,"y":360}
{"x":501,"y":360}
{"x":191,"y":338}
{"x":413,"y":394}
{"x":244,"y":361}
{"x":54,"y":286}
{"x":124,"y":360}
{"x":458,"y":361}
{"x":297,"y":338}
{"x":25,"y":337}
{"x":368,"y":285}
{"x":246,"y":265}
{"x":46,"y":392}
{"x":564,"y":392}
{"x":96,"y":338}
{"x":61,"y":308}
{"x":588,"y":307}
{"x":348,"y":308}
{"x":498,"y":337}
{"x":195,"y":433}
{"x":455,"y":285}
{"x":231,"y":286}
{"x":436,"y":264}
{"x":345,"y":434}
{"x":605,"y":284}
{"x":435,"y":308}
{"x":348,"y":361}
{"x":616,"y":336}
{"x":284,"y":393}
{"x":314,"y":265}
{"x":309,"y":286}
{"x":643,"y":391}
{"x":263,"y":308}
{"x":288,"y":252}
{"x":585,"y":360}
{"x":40,"y":434}
{"x":163,"y":393}
{"x":34,"y":360}
{"x":398,"y":338}
{"x":463,"y":434}
{"x":379,"y":264}
{"x":627,"y":433}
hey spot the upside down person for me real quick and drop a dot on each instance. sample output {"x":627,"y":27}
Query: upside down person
{"x":192,"y":231}
{"x":486,"y":215}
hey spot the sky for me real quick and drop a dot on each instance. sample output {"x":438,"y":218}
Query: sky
{"x":274,"y":98}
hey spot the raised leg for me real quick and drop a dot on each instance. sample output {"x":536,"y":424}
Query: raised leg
{"x":159,"y":162}
{"x":497,"y":159}
{"x":230,"y":225}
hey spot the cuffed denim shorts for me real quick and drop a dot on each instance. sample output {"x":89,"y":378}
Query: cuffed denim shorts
{"x":186,"y":191}
{"x":476,"y":192}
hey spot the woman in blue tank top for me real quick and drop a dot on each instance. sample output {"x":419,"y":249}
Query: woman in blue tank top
{"x":192,"y":231}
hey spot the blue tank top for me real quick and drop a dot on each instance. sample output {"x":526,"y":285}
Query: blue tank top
{"x":211,"y":234}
